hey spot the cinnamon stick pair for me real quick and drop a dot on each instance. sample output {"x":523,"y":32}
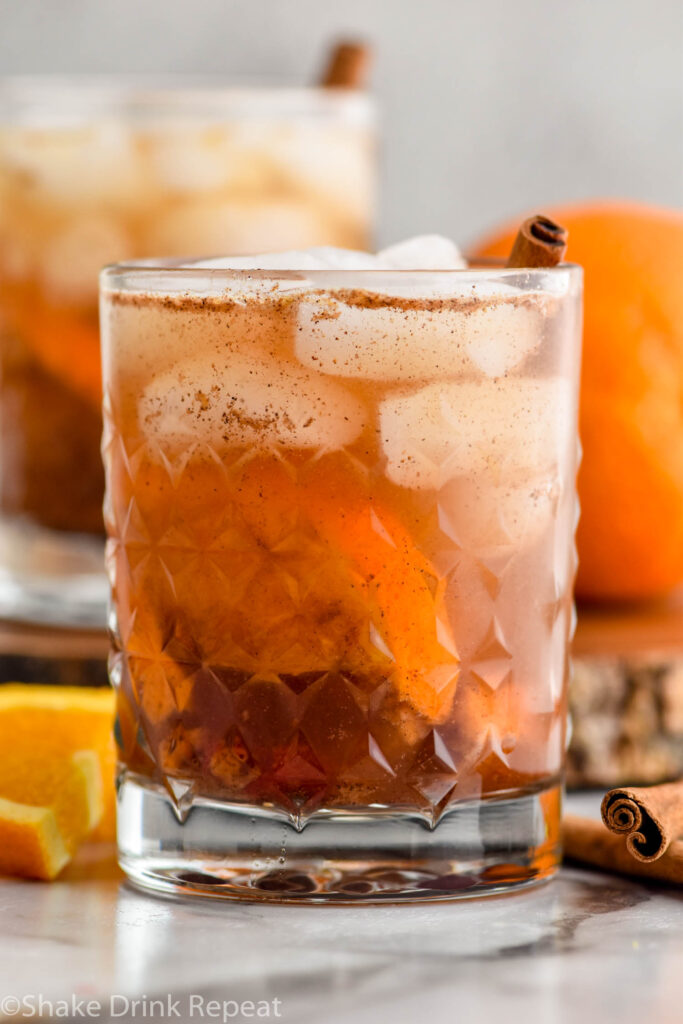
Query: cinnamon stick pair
{"x":649,"y":818}
{"x":590,"y":843}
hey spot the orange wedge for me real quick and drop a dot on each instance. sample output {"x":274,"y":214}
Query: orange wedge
{"x":49,"y":803}
{"x":59,"y":721}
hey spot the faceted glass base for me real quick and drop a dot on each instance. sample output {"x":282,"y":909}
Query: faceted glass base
{"x":232,"y":851}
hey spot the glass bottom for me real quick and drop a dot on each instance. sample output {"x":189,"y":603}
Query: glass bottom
{"x":51,"y":578}
{"x":238,"y":852}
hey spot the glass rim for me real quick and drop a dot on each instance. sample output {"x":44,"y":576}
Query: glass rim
{"x":48,"y":96}
{"x":198,"y":267}
{"x":159,"y":277}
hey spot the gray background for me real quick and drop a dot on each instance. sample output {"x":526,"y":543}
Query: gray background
{"x":490,"y":106}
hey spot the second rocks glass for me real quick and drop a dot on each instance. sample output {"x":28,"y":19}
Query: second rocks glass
{"x":90,"y":173}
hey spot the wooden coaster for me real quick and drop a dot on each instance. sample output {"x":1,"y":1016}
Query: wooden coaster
{"x":42,"y":654}
{"x":626,"y":695}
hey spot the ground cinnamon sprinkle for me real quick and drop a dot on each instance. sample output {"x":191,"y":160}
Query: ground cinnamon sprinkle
{"x":354,"y":297}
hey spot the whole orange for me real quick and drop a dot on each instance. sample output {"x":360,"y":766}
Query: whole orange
{"x":630,"y":535}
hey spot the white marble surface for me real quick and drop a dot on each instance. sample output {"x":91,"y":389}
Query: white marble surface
{"x":588,"y":947}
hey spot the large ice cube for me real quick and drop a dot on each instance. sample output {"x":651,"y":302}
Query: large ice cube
{"x":500,"y":336}
{"x":241,"y":399}
{"x":333,"y":163}
{"x":429,"y":252}
{"x":484,"y":515}
{"x":78,"y":165}
{"x":188,"y":161}
{"x":185,"y":157}
{"x":397,"y":342}
{"x":316,"y":258}
{"x":331,"y":258}
{"x":294,"y":260}
{"x":151,"y":336}
{"x":238,"y":226}
{"x":426,"y":252}
{"x":509,"y":429}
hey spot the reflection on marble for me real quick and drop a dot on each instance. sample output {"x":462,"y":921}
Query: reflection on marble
{"x":587,"y":947}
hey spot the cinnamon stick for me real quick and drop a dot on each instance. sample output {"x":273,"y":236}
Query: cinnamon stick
{"x":589,"y":842}
{"x":540,"y":242}
{"x":348,"y":66}
{"x":649,"y":817}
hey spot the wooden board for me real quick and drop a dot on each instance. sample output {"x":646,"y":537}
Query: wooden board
{"x":630,"y":631}
{"x":626,"y":695}
{"x":42,"y":654}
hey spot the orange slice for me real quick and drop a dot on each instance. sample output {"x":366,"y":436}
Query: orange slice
{"x":59,"y":721}
{"x":375,"y":568}
{"x":398,"y":579}
{"x":49,"y":802}
{"x":62,"y":339}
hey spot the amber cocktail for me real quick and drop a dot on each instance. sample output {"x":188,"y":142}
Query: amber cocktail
{"x":340,"y":509}
{"x":92,"y":172}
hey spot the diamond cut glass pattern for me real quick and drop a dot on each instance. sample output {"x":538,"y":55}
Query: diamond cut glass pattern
{"x":310,"y":620}
{"x":255,"y":665}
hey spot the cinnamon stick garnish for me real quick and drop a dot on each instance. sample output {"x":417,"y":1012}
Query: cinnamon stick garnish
{"x":348,"y":66}
{"x":540,"y":242}
{"x":649,"y":817}
{"x":589,"y":842}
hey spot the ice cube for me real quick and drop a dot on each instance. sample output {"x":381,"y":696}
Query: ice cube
{"x":78,"y":165}
{"x":318,"y":258}
{"x":510,"y":429}
{"x":243,"y":400}
{"x":430,"y":252}
{"x":332,"y":163}
{"x":239,"y":226}
{"x":483,"y":514}
{"x":498,"y":337}
{"x":331,"y":258}
{"x":315,"y":258}
{"x":395,"y":342}
{"x":70,"y":261}
{"x":294,"y":260}
{"x":424,"y":252}
{"x":386,"y":343}
{"x":433,"y":251}
{"x":148,"y":337}
{"x":185,"y":157}
{"x":187,"y":161}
